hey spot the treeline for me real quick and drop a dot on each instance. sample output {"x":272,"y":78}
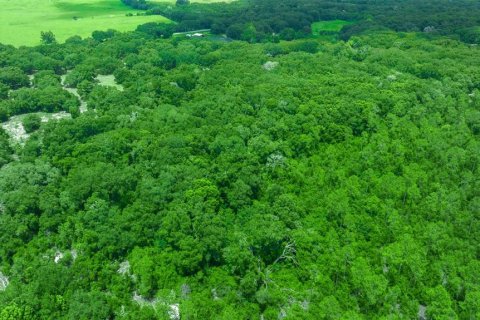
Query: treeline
{"x":270,"y":20}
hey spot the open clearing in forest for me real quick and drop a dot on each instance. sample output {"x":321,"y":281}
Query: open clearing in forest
{"x":21,"y":21}
{"x":108,"y":81}
{"x":331,"y":26}
{"x":16,"y":131}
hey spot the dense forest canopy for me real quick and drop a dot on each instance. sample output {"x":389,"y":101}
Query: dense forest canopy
{"x":146,"y":175}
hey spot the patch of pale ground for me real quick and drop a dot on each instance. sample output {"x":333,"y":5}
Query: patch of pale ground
{"x":3,"y":282}
{"x":14,"y":126}
{"x":108,"y":81}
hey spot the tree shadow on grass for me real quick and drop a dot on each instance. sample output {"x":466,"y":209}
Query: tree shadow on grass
{"x":91,"y":9}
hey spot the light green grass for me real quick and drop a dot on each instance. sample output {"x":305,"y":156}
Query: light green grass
{"x":108,"y":81}
{"x":191,"y":1}
{"x":21,"y":21}
{"x":328,"y":26}
{"x":210,"y":1}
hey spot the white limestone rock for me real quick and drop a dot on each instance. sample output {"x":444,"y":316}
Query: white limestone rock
{"x":124,"y":267}
{"x":270,"y":65}
{"x":174,"y":312}
{"x":3,"y":282}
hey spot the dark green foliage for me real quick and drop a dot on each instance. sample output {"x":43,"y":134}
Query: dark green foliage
{"x":156,"y":30}
{"x":4,"y":89}
{"x":5,"y":149}
{"x":3,"y":112}
{"x":81,"y":73}
{"x":44,"y":79}
{"x":31,"y":122}
{"x":14,"y":78}
{"x":103,"y":35}
{"x":49,"y":99}
{"x":47,"y":37}
{"x":137,"y":4}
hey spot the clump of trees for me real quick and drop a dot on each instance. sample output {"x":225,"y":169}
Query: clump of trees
{"x":49,"y":99}
{"x":47,"y":37}
{"x":156,"y":30}
{"x":31,"y":122}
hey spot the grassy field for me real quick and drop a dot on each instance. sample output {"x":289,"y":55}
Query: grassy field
{"x":191,"y":1}
{"x":328,"y":26}
{"x":21,"y":21}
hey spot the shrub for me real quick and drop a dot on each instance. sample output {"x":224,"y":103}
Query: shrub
{"x":31,"y":123}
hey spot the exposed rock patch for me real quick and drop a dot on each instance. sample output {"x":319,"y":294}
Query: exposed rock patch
{"x":429,"y":29}
{"x":124,"y":267}
{"x":173,"y":309}
{"x":142,"y":301}
{"x":3,"y":282}
{"x":422,"y":312}
{"x":56,"y":116}
{"x":270,"y":65}
{"x":186,"y":290}
{"x":58,"y":256}
{"x":15,"y":130}
{"x":174,"y":312}
{"x":391,"y":77}
{"x":74,"y":254}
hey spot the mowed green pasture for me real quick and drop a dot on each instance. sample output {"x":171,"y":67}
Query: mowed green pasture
{"x":21,"y":21}
{"x":328,"y":26}
{"x":191,"y":1}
